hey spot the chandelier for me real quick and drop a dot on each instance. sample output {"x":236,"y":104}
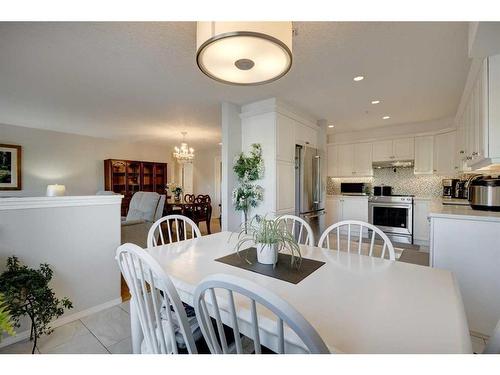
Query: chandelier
{"x":244,"y":53}
{"x":184,"y":154}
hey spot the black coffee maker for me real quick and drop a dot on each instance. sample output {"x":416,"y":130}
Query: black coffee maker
{"x":449,"y":187}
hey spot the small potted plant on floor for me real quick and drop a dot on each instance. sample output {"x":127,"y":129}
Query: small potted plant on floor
{"x":269,"y":237}
{"x":27,"y":293}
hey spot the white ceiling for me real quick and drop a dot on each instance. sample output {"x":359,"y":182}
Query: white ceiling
{"x":140,"y":81}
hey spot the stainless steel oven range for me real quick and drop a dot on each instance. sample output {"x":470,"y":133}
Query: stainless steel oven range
{"x":393,"y":215}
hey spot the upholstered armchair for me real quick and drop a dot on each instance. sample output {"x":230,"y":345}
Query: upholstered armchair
{"x":145,"y":208}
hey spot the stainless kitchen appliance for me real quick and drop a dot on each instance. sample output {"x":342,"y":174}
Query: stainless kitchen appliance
{"x":309,"y":187}
{"x":449,"y":187}
{"x":393,"y":215}
{"x":484,"y":193}
{"x":354,"y":188}
{"x":382,"y":190}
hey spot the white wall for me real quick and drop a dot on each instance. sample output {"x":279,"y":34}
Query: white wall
{"x":77,"y":237}
{"x":392,"y":131}
{"x":72,"y":160}
{"x":231,"y":147}
{"x":204,"y":173}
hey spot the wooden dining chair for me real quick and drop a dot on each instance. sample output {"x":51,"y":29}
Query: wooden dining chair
{"x":357,"y":229}
{"x":299,"y":228}
{"x":207,"y":304}
{"x":201,"y":211}
{"x":184,"y":228}
{"x":189,"y":198}
{"x":161,"y":314}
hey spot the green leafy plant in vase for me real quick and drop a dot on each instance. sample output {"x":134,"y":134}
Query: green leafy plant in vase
{"x":270,"y":237}
{"x":27,"y":293}
{"x":176,"y":190}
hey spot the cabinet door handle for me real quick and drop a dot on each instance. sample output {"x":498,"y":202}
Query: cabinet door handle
{"x":475,"y":153}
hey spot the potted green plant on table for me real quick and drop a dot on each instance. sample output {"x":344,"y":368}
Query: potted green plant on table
{"x":248,"y":168}
{"x":27,"y":293}
{"x":176,"y":190}
{"x":270,"y":237}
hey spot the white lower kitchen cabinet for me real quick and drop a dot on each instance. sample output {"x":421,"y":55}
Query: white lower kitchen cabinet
{"x":468,"y":246}
{"x":342,"y":207}
{"x":333,"y":210}
{"x":421,"y":224}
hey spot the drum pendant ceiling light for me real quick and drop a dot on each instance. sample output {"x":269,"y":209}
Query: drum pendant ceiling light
{"x":244,"y":53}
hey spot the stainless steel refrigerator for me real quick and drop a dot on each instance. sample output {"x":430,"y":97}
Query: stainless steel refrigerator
{"x":309,"y":188}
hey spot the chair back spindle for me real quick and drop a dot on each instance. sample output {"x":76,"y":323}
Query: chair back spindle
{"x":183,"y":227}
{"x":207,"y":306}
{"x":159,"y":309}
{"x":350,"y":227}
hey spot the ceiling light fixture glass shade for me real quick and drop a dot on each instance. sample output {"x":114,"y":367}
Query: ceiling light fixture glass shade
{"x":184,"y":154}
{"x":244,"y":53}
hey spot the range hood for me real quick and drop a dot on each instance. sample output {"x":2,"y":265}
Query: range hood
{"x":393,"y":164}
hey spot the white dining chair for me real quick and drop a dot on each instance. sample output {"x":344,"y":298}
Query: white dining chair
{"x":356,"y":229}
{"x":299,"y":228}
{"x":152,"y":290}
{"x":287,"y":318}
{"x":493,"y":346}
{"x":181,"y":224}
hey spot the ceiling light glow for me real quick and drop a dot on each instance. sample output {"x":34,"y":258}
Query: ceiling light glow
{"x":358,"y":78}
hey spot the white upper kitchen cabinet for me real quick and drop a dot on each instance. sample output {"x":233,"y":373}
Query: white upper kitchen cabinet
{"x":403,"y":149}
{"x":397,"y":149}
{"x":424,"y":160}
{"x":305,"y":135}
{"x":382,"y":150}
{"x":363,"y":159}
{"x":285,"y":138}
{"x":478,"y":121}
{"x":346,"y":160}
{"x":350,"y":160}
{"x":445,"y":162}
{"x":332,"y":161}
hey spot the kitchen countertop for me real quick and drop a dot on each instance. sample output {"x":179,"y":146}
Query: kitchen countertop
{"x":462,"y":212}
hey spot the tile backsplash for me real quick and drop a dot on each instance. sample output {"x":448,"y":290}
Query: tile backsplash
{"x":403,"y":181}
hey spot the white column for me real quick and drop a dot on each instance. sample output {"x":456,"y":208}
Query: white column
{"x":231,"y":147}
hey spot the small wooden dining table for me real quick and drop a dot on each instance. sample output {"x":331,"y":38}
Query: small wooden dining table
{"x":358,"y":304}
{"x":181,"y":204}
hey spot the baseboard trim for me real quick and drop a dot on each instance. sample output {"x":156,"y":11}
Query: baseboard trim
{"x":9,"y":340}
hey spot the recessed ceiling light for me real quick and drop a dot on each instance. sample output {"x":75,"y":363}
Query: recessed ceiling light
{"x":375,"y":101}
{"x":358,"y":78}
{"x":330,"y":126}
{"x":386,"y":117}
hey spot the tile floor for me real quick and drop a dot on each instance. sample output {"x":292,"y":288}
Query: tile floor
{"x":105,"y":332}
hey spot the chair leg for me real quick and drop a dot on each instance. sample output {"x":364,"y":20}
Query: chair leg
{"x":208,"y":226}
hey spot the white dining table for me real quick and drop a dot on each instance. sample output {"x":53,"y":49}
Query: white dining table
{"x":358,"y":304}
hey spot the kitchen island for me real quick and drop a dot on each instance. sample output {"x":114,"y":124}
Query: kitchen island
{"x":467,"y":242}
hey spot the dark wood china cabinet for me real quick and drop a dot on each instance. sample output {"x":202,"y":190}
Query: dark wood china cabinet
{"x":129,"y":176}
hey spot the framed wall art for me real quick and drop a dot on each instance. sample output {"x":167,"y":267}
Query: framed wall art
{"x":10,"y":167}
